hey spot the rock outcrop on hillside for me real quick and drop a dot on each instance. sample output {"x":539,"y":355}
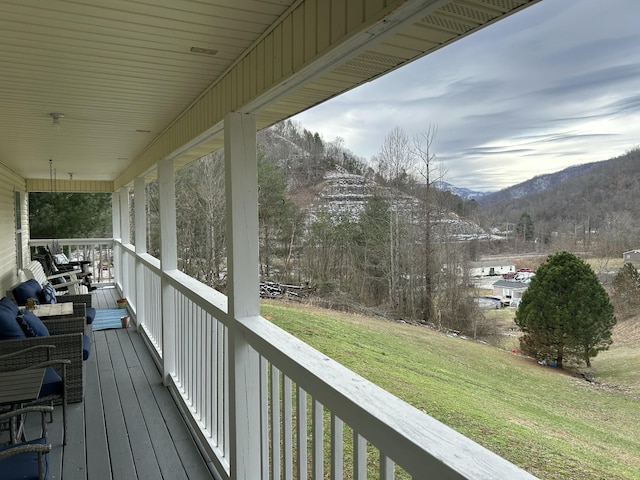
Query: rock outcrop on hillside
{"x":344,"y":195}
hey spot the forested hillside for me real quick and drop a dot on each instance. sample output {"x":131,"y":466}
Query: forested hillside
{"x":361,"y":235}
{"x":593,"y":207}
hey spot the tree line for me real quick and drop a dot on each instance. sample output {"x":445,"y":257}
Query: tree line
{"x":395,"y":255}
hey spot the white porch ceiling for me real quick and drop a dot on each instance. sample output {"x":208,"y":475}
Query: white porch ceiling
{"x":132,"y":90}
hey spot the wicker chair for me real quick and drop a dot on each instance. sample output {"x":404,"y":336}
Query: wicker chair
{"x":32,"y":288}
{"x":54,"y":385}
{"x":28,"y":459}
{"x":68,"y":346}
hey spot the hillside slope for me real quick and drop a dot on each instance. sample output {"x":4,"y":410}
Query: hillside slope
{"x":555,"y":426}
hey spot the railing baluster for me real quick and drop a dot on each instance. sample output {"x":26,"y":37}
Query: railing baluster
{"x":193,"y":345}
{"x":287,"y":427}
{"x":301,"y":426}
{"x":198,"y":357}
{"x":264,"y":416}
{"x":188,"y":336}
{"x":225,"y":391}
{"x":222,"y":387}
{"x":317,"y":442}
{"x":337,"y":448}
{"x":183,"y":347}
{"x":275,"y":422}
{"x":359,"y":457}
{"x":209,"y":378}
{"x":386,"y":468}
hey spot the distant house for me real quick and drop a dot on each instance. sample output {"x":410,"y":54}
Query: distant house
{"x":632,"y":256}
{"x":490,"y":268}
{"x":509,"y":291}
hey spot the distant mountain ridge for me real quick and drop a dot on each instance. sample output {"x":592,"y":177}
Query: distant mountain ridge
{"x":593,"y":197}
{"x":538,"y":184}
{"x":464,"y":193}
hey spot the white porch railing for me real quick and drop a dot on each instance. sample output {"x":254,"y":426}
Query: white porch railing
{"x":317,"y":418}
{"x":99,"y":251}
{"x":315,"y":413}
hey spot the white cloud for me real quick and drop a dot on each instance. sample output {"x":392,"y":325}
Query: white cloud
{"x":549,"y":87}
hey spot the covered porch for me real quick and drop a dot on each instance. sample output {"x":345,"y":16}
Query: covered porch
{"x":145,"y":88}
{"x":305,"y":415}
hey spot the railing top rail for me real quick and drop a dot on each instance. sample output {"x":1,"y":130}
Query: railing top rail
{"x":200,"y":294}
{"x":69,"y":241}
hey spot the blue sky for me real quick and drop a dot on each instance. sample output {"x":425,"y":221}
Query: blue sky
{"x":555,"y":85}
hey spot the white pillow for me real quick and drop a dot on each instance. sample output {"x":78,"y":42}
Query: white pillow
{"x":60,"y":258}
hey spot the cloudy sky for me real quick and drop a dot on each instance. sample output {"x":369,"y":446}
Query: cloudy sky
{"x":555,"y":85}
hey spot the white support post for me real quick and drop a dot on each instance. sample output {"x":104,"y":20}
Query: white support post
{"x":241,"y":184}
{"x":140,"y":215}
{"x":125,"y":224}
{"x":115,"y":222}
{"x":125,"y":237}
{"x":115,"y":214}
{"x":168,"y":261}
{"x":140,"y":211}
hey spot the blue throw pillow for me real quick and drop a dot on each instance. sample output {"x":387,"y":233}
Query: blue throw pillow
{"x":8,"y":304}
{"x":25,"y":326}
{"x":9,"y":327}
{"x":47,"y":294}
{"x":28,"y":289}
{"x":35,"y":324}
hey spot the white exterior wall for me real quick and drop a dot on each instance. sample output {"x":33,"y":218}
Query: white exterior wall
{"x":484,"y":270}
{"x":10,"y":182}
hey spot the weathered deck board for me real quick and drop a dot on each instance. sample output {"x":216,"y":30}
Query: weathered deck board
{"x":128,"y":425}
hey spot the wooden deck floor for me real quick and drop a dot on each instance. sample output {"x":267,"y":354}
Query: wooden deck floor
{"x":128,"y":426}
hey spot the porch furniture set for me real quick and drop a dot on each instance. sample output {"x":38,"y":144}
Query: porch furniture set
{"x":42,"y":354}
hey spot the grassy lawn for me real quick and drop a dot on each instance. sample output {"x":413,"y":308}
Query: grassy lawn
{"x":552,"y":424}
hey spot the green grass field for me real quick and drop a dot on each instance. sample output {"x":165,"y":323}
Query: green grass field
{"x":551,"y":423}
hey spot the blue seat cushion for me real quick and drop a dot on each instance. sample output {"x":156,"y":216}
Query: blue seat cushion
{"x":51,"y":383}
{"x":8,"y":304}
{"x":9,"y":326}
{"x":91,"y":315}
{"x":25,"y":290}
{"x":24,"y":465}
{"x":47,"y":294}
{"x":32,"y":325}
{"x":86,"y":347}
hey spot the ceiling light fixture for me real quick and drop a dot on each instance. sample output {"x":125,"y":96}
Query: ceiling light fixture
{"x":56,"y":119}
{"x":203,"y":51}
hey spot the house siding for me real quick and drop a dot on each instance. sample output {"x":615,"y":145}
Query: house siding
{"x":10,"y":182}
{"x":485,"y":269}
{"x":510,"y":291}
{"x":632,"y":256}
